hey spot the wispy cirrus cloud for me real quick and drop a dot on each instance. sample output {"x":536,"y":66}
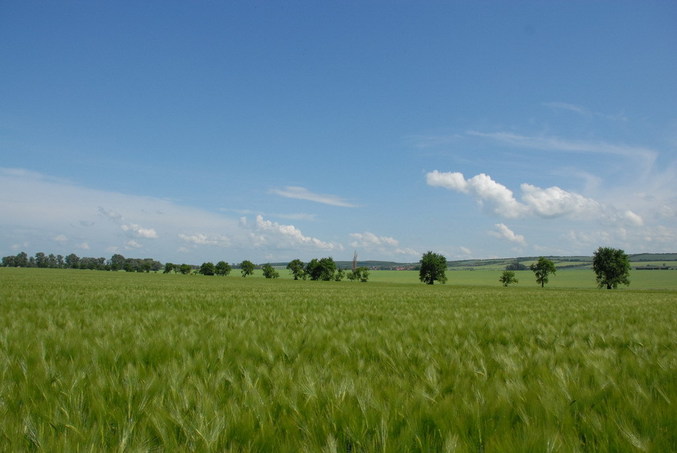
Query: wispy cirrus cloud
{"x":301,"y":193}
{"x":583,"y":111}
{"x":547,"y":143}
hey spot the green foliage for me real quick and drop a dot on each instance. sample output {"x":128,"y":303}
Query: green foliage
{"x":185,"y":269}
{"x":508,"y":278}
{"x":322,"y":269}
{"x":359,"y":274}
{"x":207,"y":269}
{"x":296,"y":268}
{"x":169,"y":267}
{"x":516,"y":266}
{"x":433,"y":268}
{"x":95,"y":361}
{"x":611,"y":267}
{"x":246,"y":268}
{"x":269,"y":271}
{"x":542,"y":270}
{"x":222,"y":268}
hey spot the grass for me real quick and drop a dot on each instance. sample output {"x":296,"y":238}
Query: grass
{"x":99,"y":361}
{"x":576,"y":278}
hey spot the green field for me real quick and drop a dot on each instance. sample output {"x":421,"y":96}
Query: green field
{"x":577,"y":278}
{"x":108,"y":361}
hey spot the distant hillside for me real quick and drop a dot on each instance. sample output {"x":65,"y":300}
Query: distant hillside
{"x":641,"y":261}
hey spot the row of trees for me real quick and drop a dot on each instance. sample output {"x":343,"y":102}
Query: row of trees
{"x":116,"y":263}
{"x":611,"y":267}
{"x":324,"y":269}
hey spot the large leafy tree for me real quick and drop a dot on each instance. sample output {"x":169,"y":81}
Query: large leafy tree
{"x":117,"y":262}
{"x":207,"y":268}
{"x":269,"y":271}
{"x":72,"y":261}
{"x":296,"y":267}
{"x":542,"y":270}
{"x":222,"y":268}
{"x":322,"y":269}
{"x":246,"y":268}
{"x":611,"y":266}
{"x":433,"y":268}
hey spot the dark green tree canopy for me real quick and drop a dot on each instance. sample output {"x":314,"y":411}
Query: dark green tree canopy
{"x":246,"y":268}
{"x":296,"y":267}
{"x":269,"y":271}
{"x":322,"y":269}
{"x":360,"y":274}
{"x":542,"y":269}
{"x":222,"y":268}
{"x":611,"y":266}
{"x":433,"y":268}
{"x":508,"y":278}
{"x":207,"y":268}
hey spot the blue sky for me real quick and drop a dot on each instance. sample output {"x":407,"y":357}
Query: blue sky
{"x":196,"y":131}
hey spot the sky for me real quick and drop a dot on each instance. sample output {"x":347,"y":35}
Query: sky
{"x":206,"y":131}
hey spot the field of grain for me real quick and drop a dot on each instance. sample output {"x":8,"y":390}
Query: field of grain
{"x":105,"y":361}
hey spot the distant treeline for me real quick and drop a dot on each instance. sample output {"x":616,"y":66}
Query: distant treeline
{"x":116,"y":263}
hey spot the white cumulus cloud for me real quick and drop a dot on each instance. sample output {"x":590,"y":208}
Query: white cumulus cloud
{"x":551,"y":202}
{"x":498,"y":198}
{"x":138,"y":231}
{"x":503,"y":232}
{"x":367,"y":239}
{"x":288,"y":235}
{"x":132,"y":244}
{"x":556,"y":202}
{"x":204,"y":239}
{"x":382,"y":245}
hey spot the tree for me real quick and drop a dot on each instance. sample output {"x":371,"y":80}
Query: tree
{"x":338,"y":276}
{"x":269,"y":271}
{"x":185,"y":269}
{"x":222,"y":268}
{"x":611,"y":266}
{"x":169,"y":267}
{"x":117,"y":262}
{"x":542,"y":269}
{"x":207,"y":268}
{"x":433,"y":268}
{"x":322,"y":269}
{"x":247,"y":268}
{"x":72,"y":261}
{"x":296,"y":269}
{"x":360,"y":274}
{"x":507,"y":278}
{"x":40,"y":259}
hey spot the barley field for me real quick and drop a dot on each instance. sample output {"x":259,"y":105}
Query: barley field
{"x":106,"y":361}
